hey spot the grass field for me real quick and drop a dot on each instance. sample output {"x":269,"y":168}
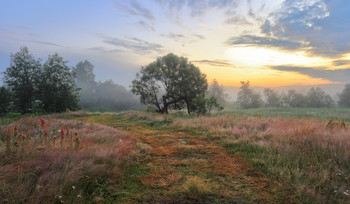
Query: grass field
{"x":238,"y":156}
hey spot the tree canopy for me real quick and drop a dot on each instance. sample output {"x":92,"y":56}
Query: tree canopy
{"x":344,"y":97}
{"x":22,"y":78}
{"x":247,"y":97}
{"x":49,"y":87}
{"x":169,"y":80}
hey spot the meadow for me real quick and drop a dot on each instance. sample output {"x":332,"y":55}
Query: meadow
{"x":240,"y":156}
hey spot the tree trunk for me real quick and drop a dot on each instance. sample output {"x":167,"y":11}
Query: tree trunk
{"x":165,"y":104}
{"x":188,"y":108}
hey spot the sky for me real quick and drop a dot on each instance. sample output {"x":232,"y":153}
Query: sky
{"x":271,"y":43}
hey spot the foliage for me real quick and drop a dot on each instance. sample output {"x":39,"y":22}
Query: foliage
{"x":111,"y":96}
{"x":202,"y":105}
{"x":247,"y":98}
{"x":317,"y":98}
{"x":168,"y":81}
{"x":22,"y":78}
{"x":57,"y":87}
{"x":272,"y":98}
{"x":5,"y":98}
{"x":34,"y":87}
{"x":294,"y":99}
{"x":344,"y":97}
{"x":86,"y":83}
{"x":101,"y":96}
{"x":217,"y":91}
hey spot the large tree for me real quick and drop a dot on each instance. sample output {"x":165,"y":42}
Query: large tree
{"x":22,"y":78}
{"x":58,"y":87}
{"x":168,"y":81}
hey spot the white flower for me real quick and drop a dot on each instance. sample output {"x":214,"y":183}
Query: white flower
{"x":73,"y":187}
{"x":78,"y":196}
{"x":345,"y":193}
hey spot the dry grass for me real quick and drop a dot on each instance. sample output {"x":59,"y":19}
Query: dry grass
{"x":195,"y":187}
{"x":57,"y":167}
{"x":161,"y":176}
{"x":311,"y":158}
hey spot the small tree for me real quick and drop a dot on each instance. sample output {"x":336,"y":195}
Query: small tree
{"x":217,"y":91}
{"x":272,"y":98}
{"x":344,"y":97}
{"x":22,"y":78}
{"x":247,"y":98}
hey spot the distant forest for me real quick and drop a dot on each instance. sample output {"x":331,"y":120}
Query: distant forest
{"x":170,"y":83}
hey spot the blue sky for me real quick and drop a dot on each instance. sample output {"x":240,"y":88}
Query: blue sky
{"x":269,"y":42}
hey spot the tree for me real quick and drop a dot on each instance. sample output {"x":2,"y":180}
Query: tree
{"x":217,"y":91}
{"x":317,"y":98}
{"x":58,"y":89}
{"x":84,"y":72}
{"x":111,"y":96}
{"x":272,"y":98}
{"x":344,"y":97}
{"x":167,"y":81}
{"x":294,"y":99}
{"x":247,"y":98}
{"x":5,"y":98}
{"x":22,"y":78}
{"x":203,"y":105}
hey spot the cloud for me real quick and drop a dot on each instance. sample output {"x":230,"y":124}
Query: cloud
{"x":265,"y":42}
{"x":136,"y":10}
{"x":145,"y":25}
{"x":184,"y":39}
{"x":341,"y":62}
{"x":134,"y":45}
{"x":321,"y":23}
{"x":105,"y":50}
{"x":197,"y":7}
{"x":237,"y":20}
{"x":335,"y":75}
{"x":215,"y":63}
{"x":44,"y":43}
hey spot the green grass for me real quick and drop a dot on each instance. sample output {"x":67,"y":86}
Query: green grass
{"x":321,"y":113}
{"x":293,"y":169}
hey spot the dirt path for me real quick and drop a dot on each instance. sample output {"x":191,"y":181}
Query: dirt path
{"x":191,"y":168}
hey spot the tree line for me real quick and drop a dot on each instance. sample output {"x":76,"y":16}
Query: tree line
{"x":169,"y":83}
{"x":31,"y":86}
{"x":314,"y":98}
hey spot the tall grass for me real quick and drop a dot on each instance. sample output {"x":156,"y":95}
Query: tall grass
{"x":310,"y":159}
{"x":53,"y":160}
